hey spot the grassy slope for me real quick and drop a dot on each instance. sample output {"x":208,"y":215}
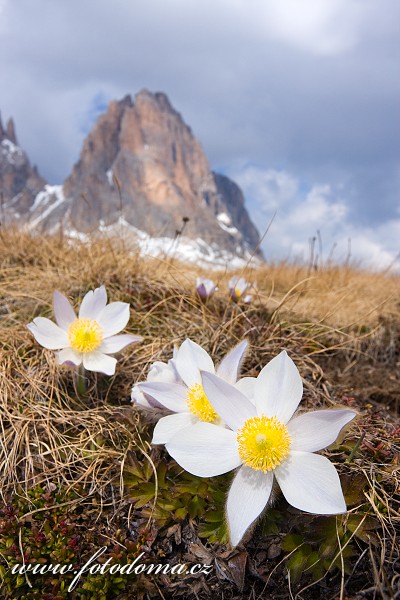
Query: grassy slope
{"x":340,"y":325}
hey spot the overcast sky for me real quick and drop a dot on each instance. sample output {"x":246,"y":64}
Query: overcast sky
{"x":297,"y":100}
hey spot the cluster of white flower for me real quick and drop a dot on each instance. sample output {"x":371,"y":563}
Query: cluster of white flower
{"x":218,"y":421}
{"x":238,"y":289}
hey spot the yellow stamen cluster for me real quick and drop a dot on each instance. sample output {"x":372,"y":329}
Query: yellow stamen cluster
{"x":199,"y":404}
{"x":85,"y":335}
{"x":264,"y":443}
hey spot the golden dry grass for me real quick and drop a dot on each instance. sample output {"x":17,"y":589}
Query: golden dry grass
{"x":340,"y":325}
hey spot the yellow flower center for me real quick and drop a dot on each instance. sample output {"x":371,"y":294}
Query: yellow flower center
{"x":264,"y":443}
{"x":199,"y":404}
{"x":85,"y":335}
{"x":238,"y":292}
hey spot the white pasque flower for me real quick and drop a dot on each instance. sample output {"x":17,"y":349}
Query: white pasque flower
{"x":237,"y":287}
{"x":205,"y":287}
{"x":159,"y":371}
{"x":90,"y":338}
{"x":265,"y":440}
{"x":186,"y":398}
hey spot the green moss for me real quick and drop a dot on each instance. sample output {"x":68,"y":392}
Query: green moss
{"x":43,"y":528}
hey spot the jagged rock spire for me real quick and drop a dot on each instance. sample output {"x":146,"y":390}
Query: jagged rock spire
{"x":10,"y":131}
{"x":19,"y":181}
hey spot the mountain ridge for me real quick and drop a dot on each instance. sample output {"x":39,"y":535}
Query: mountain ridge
{"x":140,"y":163}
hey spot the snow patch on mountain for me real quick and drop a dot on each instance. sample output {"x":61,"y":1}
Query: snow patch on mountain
{"x":45,"y":202}
{"x":110,"y":176}
{"x":181,"y":248}
{"x":11,"y":151}
{"x":225,"y":222}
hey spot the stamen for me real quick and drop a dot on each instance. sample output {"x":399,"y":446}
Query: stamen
{"x":85,"y":335}
{"x":263,"y":443}
{"x":199,"y":404}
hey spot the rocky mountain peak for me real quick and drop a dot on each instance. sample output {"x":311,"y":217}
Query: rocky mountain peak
{"x":141,"y":162}
{"x":19,"y":181}
{"x":9,"y":132}
{"x":141,"y":165}
{"x":158,"y":100}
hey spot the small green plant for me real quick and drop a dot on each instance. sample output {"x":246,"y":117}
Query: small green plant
{"x":320,"y":545}
{"x":175,"y":495}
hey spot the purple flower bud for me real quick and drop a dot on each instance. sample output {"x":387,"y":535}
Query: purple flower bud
{"x":205,"y":288}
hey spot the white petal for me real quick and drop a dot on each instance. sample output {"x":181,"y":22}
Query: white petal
{"x":190,"y":360}
{"x":69,"y":355}
{"x":93,"y":303}
{"x":208,"y":284}
{"x":230,"y":404}
{"x":115,"y":343}
{"x":318,"y":429}
{"x":63,"y":311}
{"x":205,"y":449}
{"x":205,"y":287}
{"x":237,"y":286}
{"x":168,"y":426}
{"x":233,"y":280}
{"x":242,"y":285}
{"x":230,"y":366}
{"x":247,"y":498}
{"x":160,"y":371}
{"x":310,"y":482}
{"x":171,"y":395}
{"x":137,"y":397}
{"x":246,"y":386}
{"x":238,"y":282}
{"x":113,"y":318}
{"x":48,"y":334}
{"x":99,"y":362}
{"x":143,"y":400}
{"x":278,"y":389}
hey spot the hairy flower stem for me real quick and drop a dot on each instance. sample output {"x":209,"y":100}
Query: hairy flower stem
{"x":81,"y":381}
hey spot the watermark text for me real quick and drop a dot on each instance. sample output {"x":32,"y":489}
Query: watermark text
{"x":95,"y":568}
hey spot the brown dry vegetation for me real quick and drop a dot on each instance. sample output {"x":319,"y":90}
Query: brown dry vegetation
{"x":340,"y":325}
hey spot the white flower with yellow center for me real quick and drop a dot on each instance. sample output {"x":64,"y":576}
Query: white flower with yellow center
{"x":266,"y":441}
{"x":90,"y":338}
{"x":186,"y":398}
{"x":237,"y":287}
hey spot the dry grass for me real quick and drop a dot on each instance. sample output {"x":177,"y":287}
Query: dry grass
{"x":340,"y":325}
